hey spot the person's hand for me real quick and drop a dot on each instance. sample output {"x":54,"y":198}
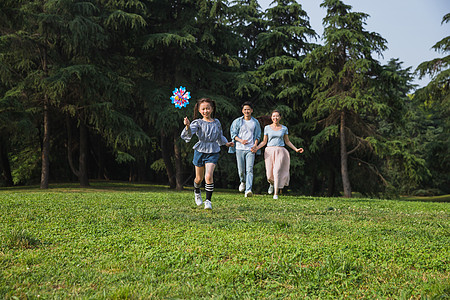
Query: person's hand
{"x":254,"y":149}
{"x":229,"y":144}
{"x":299,"y":150}
{"x":186,"y":122}
{"x":244,"y":142}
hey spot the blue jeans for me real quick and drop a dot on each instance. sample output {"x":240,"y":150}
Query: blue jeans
{"x":245,"y":160}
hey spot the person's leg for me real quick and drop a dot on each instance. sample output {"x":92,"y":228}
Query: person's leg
{"x":199,"y":174}
{"x":268,"y":160}
{"x":249,"y":162}
{"x":275,"y":186}
{"x":240,"y":159}
{"x":276,"y":172}
{"x":209,"y":183}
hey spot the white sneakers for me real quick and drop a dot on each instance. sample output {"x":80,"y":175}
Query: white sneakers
{"x":270,"y":190}
{"x":242,"y":187}
{"x":198,"y":199}
{"x":208,"y":204}
{"x":275,"y":197}
{"x":248,"y":194}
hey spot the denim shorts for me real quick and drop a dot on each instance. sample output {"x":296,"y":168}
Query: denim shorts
{"x":200,"y":158}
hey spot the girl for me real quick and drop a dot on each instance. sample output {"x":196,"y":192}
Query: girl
{"x":276,"y":157}
{"x":206,"y":150}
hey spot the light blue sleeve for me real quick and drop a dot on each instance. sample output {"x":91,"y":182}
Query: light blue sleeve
{"x":221,"y":140}
{"x":186,"y":135}
{"x":257,"y":135}
{"x":234,"y":129}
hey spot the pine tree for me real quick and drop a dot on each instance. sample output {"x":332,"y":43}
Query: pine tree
{"x":246,"y":20}
{"x":344,"y":97}
{"x":86,"y":82}
{"x":25,"y":46}
{"x":435,"y":104}
{"x":187,"y":44}
{"x":280,"y":49}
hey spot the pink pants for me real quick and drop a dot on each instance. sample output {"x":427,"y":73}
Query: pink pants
{"x":277,"y":161}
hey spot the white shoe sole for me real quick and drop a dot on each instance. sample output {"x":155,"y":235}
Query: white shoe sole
{"x":199,"y":200}
{"x":208,"y":205}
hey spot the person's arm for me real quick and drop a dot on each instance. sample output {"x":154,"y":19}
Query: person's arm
{"x":256,"y":143}
{"x":262,"y":144}
{"x":234,"y":131}
{"x":257,"y":132}
{"x":222,"y":139}
{"x":189,"y":130}
{"x":290,"y":145}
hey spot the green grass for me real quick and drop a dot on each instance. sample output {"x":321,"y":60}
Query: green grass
{"x":135,"y":241}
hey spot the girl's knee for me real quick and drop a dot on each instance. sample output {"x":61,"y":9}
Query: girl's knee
{"x":209,"y":178}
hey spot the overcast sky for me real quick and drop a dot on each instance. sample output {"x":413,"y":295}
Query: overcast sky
{"x":411,"y":27}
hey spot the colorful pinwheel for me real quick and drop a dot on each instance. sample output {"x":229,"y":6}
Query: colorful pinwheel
{"x":180,"y":97}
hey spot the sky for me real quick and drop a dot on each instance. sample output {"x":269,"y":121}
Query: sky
{"x":411,"y":27}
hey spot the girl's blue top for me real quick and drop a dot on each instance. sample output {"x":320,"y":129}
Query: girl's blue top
{"x":275,"y":137}
{"x":210,"y":135}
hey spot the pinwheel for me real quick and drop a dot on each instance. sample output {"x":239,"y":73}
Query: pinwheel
{"x":180,"y":97}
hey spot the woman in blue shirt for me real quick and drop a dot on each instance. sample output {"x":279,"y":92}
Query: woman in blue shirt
{"x":276,"y":157}
{"x":206,"y":150}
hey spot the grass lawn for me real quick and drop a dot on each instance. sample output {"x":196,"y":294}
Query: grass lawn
{"x":135,"y":241}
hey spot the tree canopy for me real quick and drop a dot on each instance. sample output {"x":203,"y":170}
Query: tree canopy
{"x":85,"y":88}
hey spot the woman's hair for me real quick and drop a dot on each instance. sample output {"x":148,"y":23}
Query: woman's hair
{"x":277,"y":111}
{"x":207,"y":100}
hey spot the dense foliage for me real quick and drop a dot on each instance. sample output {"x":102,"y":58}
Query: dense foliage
{"x":85,"y":87}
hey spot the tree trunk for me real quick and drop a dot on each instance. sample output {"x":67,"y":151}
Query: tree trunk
{"x":45,"y":155}
{"x":166,"y":151}
{"x":83,"y":167}
{"x":101,"y":172}
{"x":331,"y":190}
{"x":178,"y":164}
{"x":70,"y":147}
{"x":5,"y":167}
{"x":344,"y":158}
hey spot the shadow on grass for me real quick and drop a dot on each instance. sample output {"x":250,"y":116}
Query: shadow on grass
{"x":95,"y":186}
{"x":123,"y":186}
{"x":442,"y":198}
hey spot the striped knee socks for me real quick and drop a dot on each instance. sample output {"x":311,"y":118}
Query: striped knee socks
{"x":209,"y":188}
{"x":196,"y":187}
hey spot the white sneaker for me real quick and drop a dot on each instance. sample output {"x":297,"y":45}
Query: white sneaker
{"x":242,"y":187}
{"x":198,"y":199}
{"x":208,"y":204}
{"x":270,"y":190}
{"x":275,"y":197}
{"x":248,"y":194}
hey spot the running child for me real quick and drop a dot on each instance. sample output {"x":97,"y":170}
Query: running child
{"x":206,"y":150}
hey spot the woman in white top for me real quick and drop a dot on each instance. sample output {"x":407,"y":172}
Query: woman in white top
{"x":276,"y":157}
